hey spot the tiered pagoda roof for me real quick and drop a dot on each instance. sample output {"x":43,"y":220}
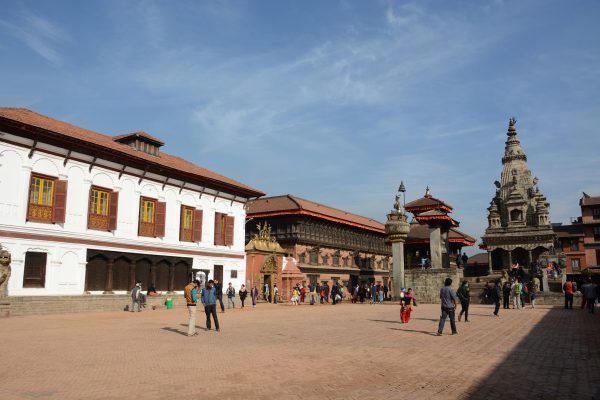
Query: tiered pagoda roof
{"x":431,"y":211}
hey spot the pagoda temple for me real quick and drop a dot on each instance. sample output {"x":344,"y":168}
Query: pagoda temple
{"x":433,"y":213}
{"x":519,"y":227}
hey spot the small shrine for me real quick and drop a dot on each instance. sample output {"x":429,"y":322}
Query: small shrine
{"x":434,"y":213}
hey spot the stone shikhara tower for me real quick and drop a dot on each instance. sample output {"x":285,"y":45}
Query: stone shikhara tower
{"x":519,"y":227}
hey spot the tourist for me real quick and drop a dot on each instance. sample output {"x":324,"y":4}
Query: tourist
{"x":243,"y":294}
{"x":275,"y":294}
{"x":191,"y":297}
{"x":524,"y":291}
{"x":385,"y":292}
{"x":506,"y":290}
{"x":464,"y":260}
{"x":219,"y":291}
{"x":374,"y":294}
{"x":336,"y":293}
{"x":254,"y":296}
{"x":465,"y":299}
{"x":532,"y":293}
{"x":152,"y":291}
{"x":516,"y":291}
{"x":136,"y":297}
{"x":406,"y":302}
{"x":448,"y":298}
{"x":266,"y":293}
{"x":495,"y":295}
{"x":313,"y":293}
{"x":355,"y":291}
{"x":568,"y":289}
{"x":302,"y":293}
{"x":322,"y":294}
{"x":380,"y":293}
{"x":295,"y":296}
{"x":327,"y":292}
{"x":590,"y":292}
{"x":209,"y":299}
{"x":230,"y":296}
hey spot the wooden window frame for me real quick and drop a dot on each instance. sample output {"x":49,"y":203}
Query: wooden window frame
{"x":224,"y":229}
{"x":143,"y":226}
{"x":233,"y":274}
{"x":186,"y":234}
{"x":28,"y":281}
{"x":99,"y":222}
{"x":54,"y":213}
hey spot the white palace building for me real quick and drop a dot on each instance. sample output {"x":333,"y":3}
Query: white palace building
{"x":83,"y":212}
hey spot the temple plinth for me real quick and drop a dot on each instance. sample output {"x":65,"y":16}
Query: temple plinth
{"x":397,"y":229}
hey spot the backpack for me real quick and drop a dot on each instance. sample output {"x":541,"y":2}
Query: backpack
{"x":526,"y":289}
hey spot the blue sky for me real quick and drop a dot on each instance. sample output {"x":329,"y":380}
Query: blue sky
{"x":334,"y":101}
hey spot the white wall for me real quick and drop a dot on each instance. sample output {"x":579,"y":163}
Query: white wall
{"x":66,"y":263}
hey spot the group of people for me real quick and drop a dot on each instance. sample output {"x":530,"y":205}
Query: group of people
{"x":589,"y":294}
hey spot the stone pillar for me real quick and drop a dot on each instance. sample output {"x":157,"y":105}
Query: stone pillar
{"x":152,"y":274}
{"x":529,"y":259}
{"x":397,"y":229}
{"x":545,"y":280}
{"x":490,"y":265}
{"x":435,"y":248}
{"x":398,"y":271}
{"x":171,"y":288}
{"x":5,"y":271}
{"x":109,"y":277}
{"x":509,"y":252}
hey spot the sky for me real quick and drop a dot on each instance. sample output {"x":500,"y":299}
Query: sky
{"x":332,"y":101}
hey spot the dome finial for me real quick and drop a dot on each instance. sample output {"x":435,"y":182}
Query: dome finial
{"x":511,"y":126}
{"x":427,"y":192}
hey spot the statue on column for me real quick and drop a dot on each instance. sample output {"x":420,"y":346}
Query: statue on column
{"x":4,"y":271}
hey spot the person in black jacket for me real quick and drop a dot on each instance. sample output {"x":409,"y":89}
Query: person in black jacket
{"x":219,"y":290}
{"x":506,"y":295}
{"x":495,"y":296}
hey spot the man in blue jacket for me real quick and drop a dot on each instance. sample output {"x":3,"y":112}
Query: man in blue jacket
{"x":209,"y":299}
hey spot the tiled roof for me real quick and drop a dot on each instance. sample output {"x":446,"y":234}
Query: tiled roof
{"x":479,"y":258}
{"x":587,"y":200}
{"x":426,"y":203}
{"x":64,"y":129}
{"x":288,"y":204}
{"x":420,"y":232}
{"x":572,"y":230}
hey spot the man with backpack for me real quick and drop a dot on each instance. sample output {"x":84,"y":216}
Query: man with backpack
{"x":191,"y":297}
{"x":568,"y":289}
{"x":136,"y":297}
{"x":230,"y":296}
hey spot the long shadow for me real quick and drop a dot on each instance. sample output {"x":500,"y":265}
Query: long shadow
{"x":383,"y":320}
{"x":197,"y":327}
{"x":174,"y":330}
{"x":414,"y":330}
{"x":558,"y":359}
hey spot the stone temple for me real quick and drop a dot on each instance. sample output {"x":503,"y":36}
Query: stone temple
{"x":519,"y":227}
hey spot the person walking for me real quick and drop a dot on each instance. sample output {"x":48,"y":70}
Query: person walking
{"x":209,"y":299}
{"x":230,"y":296}
{"x":267,"y":293}
{"x":406,"y":302}
{"x":506,"y":289}
{"x":295,"y":298}
{"x":464,"y":297}
{"x":568,"y":289}
{"x":302,"y":293}
{"x":449,"y":300}
{"x":219,"y":293}
{"x":275,"y":294}
{"x":516,"y":289}
{"x":495,"y":296}
{"x":464,"y":259}
{"x":312,"y":293}
{"x":254,"y":296}
{"x":136,"y":297}
{"x":243,"y":294}
{"x":191,"y":298}
{"x":590,"y":292}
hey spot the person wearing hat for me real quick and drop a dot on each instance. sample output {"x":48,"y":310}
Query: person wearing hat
{"x":191,"y":298}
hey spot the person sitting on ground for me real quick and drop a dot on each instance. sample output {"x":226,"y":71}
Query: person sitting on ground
{"x":152,"y":291}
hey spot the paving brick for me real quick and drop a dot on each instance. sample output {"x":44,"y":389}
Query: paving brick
{"x":321,"y":352}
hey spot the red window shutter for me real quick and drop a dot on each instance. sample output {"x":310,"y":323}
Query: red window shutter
{"x":59,"y":211}
{"x":229,"y":223}
{"x":218,"y":229}
{"x":197,"y":226}
{"x":159,"y":219}
{"x":113,"y":208}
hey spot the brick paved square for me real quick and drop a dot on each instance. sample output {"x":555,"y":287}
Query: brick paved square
{"x":321,"y":352}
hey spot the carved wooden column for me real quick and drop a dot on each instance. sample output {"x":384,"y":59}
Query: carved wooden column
{"x":171,"y":278}
{"x":152,"y":275}
{"x":530,"y":258}
{"x":490,"y":266}
{"x":131,"y":274}
{"x":109,"y":277}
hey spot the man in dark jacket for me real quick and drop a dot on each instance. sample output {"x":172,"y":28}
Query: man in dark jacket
{"x":495,"y":296}
{"x":209,"y":299}
{"x":219,"y":291}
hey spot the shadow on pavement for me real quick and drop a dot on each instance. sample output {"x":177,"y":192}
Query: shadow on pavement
{"x":558,"y":359}
{"x":174,"y":330}
{"x":383,"y":320}
{"x":415,"y":331}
